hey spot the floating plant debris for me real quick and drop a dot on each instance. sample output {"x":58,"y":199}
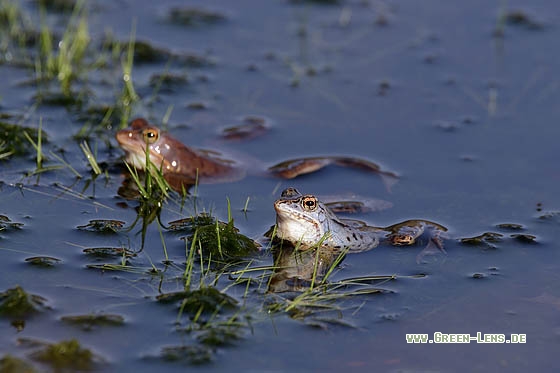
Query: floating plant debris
{"x":194,"y":354}
{"x":43,"y":261}
{"x":11,"y":364}
{"x":6,"y":223}
{"x":191,"y":223}
{"x":144,"y":52}
{"x":15,"y":302}
{"x":510,"y":226}
{"x":67,"y":100}
{"x":522,"y":18}
{"x":107,"y":252}
{"x":527,"y":238}
{"x":168,"y":81}
{"x":194,"y":16}
{"x":485,"y":239}
{"x":66,"y":356}
{"x":103,"y":225}
{"x":550,"y":215}
{"x":89,"y":322}
{"x":252,"y":127}
{"x":60,"y":6}
{"x":220,"y":334}
{"x":197,"y":105}
{"x":351,"y":207}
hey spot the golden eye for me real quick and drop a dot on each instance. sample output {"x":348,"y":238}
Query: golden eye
{"x":150,"y":135}
{"x":309,"y":203}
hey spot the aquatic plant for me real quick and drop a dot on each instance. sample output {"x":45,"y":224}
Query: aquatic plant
{"x":16,"y":35}
{"x":43,"y":261}
{"x":191,"y":354}
{"x":66,"y":355}
{"x":91,"y":321}
{"x":65,"y":63}
{"x":204,"y":300}
{"x":61,"y":6}
{"x":103,"y":225}
{"x":486,"y":240}
{"x":11,"y":364}
{"x":222,"y":240}
{"x":17,"y":303}
{"x":15,"y":138}
{"x":189,"y":16}
{"x":6,"y":223}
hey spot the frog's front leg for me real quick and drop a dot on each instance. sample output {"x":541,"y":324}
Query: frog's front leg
{"x":434,"y":246}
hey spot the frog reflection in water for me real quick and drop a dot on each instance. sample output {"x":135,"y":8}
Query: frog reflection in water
{"x":304,"y":220}
{"x":183,"y":166}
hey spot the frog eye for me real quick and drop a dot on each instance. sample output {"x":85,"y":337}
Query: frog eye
{"x":150,"y":135}
{"x":309,"y":203}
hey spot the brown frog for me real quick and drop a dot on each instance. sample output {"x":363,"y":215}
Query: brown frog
{"x":183,"y":166}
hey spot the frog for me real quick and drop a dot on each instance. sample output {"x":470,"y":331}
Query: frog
{"x":183,"y":166}
{"x":306,"y":222}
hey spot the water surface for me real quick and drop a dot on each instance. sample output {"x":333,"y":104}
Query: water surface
{"x":465,"y":117}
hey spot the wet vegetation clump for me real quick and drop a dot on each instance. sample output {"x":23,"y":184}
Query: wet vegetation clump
{"x":53,"y":98}
{"x":516,"y":18}
{"x":59,"y":6}
{"x":17,"y":303}
{"x":204,"y":300}
{"x":194,"y":16}
{"x":221,"y":334}
{"x":486,"y":239}
{"x":11,"y":364}
{"x":191,"y":354}
{"x":6,"y":223}
{"x":14,"y":139}
{"x":66,"y":356}
{"x":103,"y":226}
{"x":251,"y":128}
{"x":146,"y":53}
{"x":168,"y":82}
{"x":43,"y":261}
{"x":510,"y":226}
{"x":92,"y":321}
{"x":524,"y":19}
{"x":215,"y":238}
{"x":525,"y":238}
{"x":109,"y":252}
{"x":143,"y":51}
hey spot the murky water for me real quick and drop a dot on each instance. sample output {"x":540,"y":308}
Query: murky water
{"x":468,"y":120}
